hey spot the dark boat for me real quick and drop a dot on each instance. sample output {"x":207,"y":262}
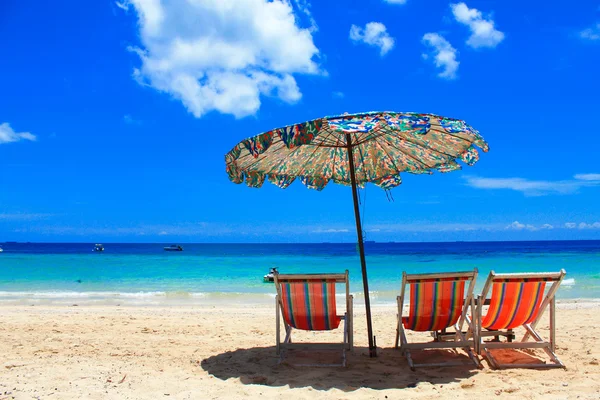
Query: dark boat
{"x":270,"y":276}
{"x":98,"y":247}
{"x":173,"y":247}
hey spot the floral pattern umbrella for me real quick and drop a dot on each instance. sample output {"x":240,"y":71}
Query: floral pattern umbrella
{"x":353,"y":149}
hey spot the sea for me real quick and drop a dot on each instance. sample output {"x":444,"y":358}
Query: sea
{"x":143,"y":274}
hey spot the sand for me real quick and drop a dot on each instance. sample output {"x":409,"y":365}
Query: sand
{"x":108,"y":352}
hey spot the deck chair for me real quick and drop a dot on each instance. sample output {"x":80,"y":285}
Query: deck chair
{"x":437,"y":302}
{"x":307,"y":302}
{"x":517,"y":300}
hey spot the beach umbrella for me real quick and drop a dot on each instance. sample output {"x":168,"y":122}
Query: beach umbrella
{"x":353,"y":149}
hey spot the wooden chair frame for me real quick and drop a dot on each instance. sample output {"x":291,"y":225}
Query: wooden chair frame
{"x":348,"y":339}
{"x":442,"y":339}
{"x":549,"y":346}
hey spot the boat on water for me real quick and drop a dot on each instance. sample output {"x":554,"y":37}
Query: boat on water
{"x":1,"y":249}
{"x":270,"y":276}
{"x":98,"y":247}
{"x":173,"y":247}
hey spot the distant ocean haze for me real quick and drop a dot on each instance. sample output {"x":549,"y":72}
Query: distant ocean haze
{"x":145,"y":274}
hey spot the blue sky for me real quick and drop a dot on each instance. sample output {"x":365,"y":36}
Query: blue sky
{"x":115,"y":116}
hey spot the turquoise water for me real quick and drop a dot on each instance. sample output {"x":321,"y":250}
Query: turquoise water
{"x":144,"y":274}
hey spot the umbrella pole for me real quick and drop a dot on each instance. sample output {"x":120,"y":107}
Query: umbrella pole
{"x":361,"y":248}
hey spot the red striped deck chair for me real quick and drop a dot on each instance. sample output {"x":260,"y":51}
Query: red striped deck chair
{"x":308,"y":302}
{"x":437,"y":302}
{"x":517,"y":300}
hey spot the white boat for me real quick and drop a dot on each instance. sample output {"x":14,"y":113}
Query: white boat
{"x":1,"y":250}
{"x":173,"y":247}
{"x":270,"y":276}
{"x":98,"y":247}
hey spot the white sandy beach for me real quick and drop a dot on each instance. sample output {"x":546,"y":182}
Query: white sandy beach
{"x":108,"y":352}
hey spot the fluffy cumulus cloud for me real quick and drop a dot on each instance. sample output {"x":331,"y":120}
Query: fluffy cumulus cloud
{"x":223,"y":55}
{"x":531,"y":187}
{"x":483,"y":32}
{"x":374,"y":34}
{"x":8,"y":135}
{"x":592,"y":33}
{"x":443,"y":54}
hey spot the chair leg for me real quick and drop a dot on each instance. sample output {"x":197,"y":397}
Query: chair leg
{"x":411,"y":364}
{"x":399,"y":321}
{"x":552,"y":325}
{"x":288,"y":334}
{"x":277,"y":326}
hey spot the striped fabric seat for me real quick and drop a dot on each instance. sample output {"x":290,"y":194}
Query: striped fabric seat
{"x":518,"y":302}
{"x":514,"y":303}
{"x":307,"y":302}
{"x":435,"y":304}
{"x":310,"y":305}
{"x":437,"y":301}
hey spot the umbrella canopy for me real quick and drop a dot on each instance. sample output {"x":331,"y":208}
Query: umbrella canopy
{"x":353,"y":149}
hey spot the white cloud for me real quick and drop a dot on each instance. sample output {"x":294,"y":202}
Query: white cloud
{"x":374,"y":34}
{"x":122,"y":5}
{"x":23,"y":216}
{"x":517,"y":226}
{"x":395,"y":1}
{"x":187,"y":229}
{"x":588,"y":177}
{"x":444,"y":55}
{"x":427,"y":227}
{"x":533,"y":187}
{"x":304,"y":7}
{"x":331,"y":231}
{"x":8,"y":135}
{"x":338,"y":95}
{"x":592,"y":33}
{"x":583,"y":225}
{"x":483,"y":32}
{"x":223,"y":55}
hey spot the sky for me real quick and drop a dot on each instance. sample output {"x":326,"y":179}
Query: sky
{"x":115,"y":116}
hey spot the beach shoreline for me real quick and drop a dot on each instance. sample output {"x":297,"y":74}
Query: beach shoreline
{"x":212,"y":351}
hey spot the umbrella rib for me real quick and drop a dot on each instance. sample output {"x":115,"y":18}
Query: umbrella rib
{"x":259,"y":158}
{"x":362,"y":161}
{"x":388,"y":155}
{"x":339,"y":145}
{"x":316,"y":148}
{"x":424,"y":145}
{"x":406,"y":154}
{"x":307,"y":160}
{"x":445,"y":132}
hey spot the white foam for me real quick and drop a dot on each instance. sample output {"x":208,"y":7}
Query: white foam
{"x":568,"y":282}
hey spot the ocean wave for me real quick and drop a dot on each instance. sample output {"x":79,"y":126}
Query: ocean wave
{"x":177,"y":297}
{"x":568,"y":282}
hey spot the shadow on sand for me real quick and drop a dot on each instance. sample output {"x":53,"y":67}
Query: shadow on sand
{"x":259,"y":365}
